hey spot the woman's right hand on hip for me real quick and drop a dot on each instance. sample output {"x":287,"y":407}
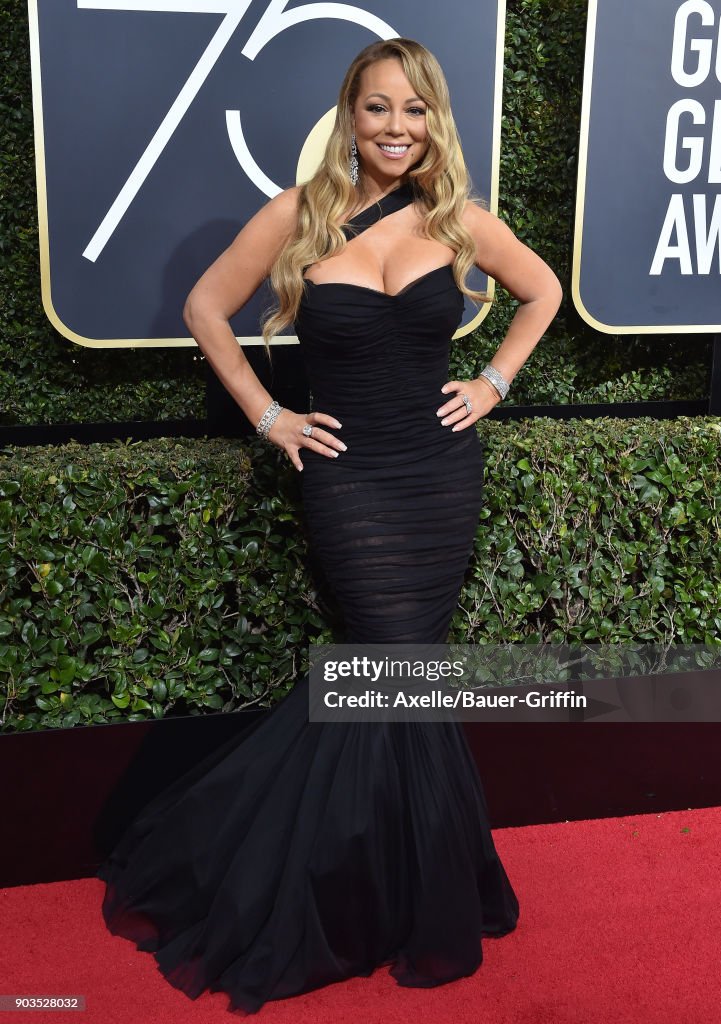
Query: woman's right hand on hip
{"x":287,"y":434}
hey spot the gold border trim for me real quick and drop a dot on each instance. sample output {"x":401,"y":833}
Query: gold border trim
{"x":287,"y":339}
{"x":589,"y":318}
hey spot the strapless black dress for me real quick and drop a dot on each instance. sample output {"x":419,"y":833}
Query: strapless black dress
{"x":301,"y":853}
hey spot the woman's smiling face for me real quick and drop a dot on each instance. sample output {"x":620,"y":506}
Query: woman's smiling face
{"x":389,"y":123}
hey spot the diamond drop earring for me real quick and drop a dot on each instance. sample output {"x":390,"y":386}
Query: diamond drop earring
{"x":353,"y":161}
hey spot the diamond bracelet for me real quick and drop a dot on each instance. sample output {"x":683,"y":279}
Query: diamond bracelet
{"x":496,"y":379}
{"x":268,"y":419}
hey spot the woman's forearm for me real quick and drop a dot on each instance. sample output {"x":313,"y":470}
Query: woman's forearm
{"x":525,"y":331}
{"x":220,"y":347}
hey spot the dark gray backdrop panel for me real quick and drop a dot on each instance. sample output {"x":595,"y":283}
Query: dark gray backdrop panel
{"x":108,"y":79}
{"x":626,"y":190}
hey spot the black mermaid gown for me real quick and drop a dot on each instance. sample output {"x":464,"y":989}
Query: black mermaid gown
{"x":301,"y":853}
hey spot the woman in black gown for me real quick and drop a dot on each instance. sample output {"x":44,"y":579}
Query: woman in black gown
{"x":301,"y":853}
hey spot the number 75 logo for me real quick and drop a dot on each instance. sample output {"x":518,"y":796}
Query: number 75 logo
{"x":146,"y":168}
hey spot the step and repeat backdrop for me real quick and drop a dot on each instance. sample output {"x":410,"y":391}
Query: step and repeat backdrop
{"x":162,"y":126}
{"x":647,"y":247}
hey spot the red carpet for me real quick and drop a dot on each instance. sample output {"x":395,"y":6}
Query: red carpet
{"x":620,"y":922}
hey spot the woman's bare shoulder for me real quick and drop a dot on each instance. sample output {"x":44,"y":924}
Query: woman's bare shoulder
{"x":270,"y":228}
{"x":476,"y":214}
{"x":486,"y":228}
{"x":281,"y":212}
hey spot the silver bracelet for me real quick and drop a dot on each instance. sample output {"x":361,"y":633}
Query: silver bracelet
{"x":496,"y":379}
{"x":268,"y":419}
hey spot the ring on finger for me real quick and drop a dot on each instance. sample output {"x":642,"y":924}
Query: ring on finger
{"x":468,"y":405}
{"x":308,"y":430}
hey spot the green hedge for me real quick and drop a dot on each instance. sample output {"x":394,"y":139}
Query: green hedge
{"x":172,"y":576}
{"x":46,"y":379}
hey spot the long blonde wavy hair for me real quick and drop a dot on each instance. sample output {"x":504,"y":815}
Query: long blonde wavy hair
{"x":441,"y":180}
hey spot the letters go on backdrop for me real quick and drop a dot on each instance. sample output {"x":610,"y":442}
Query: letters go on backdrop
{"x":161,"y":126}
{"x":647,"y":255}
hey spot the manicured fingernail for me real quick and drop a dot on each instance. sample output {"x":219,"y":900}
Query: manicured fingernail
{"x":444,"y":423}
{"x":338,"y":424}
{"x":336,"y":454}
{"x":344,"y":447}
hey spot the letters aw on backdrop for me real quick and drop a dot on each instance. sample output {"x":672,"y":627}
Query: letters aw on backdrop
{"x":689,"y":229}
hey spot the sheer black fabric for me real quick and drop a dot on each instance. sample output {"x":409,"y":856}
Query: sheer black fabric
{"x":301,"y":853}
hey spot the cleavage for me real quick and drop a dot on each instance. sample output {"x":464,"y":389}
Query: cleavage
{"x":389,"y":246}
